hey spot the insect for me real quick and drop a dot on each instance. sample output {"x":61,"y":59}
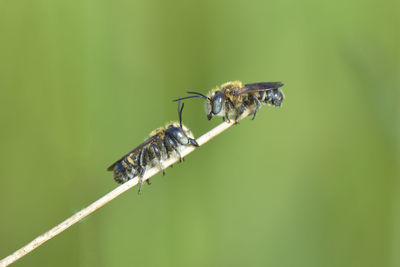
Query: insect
{"x":161,"y":144}
{"x":232,"y":99}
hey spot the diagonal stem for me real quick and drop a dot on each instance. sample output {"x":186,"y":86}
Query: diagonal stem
{"x":110,"y":196}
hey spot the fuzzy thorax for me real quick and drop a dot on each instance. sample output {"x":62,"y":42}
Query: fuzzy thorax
{"x":161,"y":131}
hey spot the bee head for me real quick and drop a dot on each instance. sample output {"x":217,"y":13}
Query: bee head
{"x":213,"y":103}
{"x":180,"y":132}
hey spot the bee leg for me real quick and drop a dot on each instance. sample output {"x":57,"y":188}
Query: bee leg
{"x":141,"y":179}
{"x":162,"y":168}
{"x":179,"y":155}
{"x":142,"y":163}
{"x":148,"y":181}
{"x":225,"y":117}
{"x":258,"y":103}
{"x":228,"y":106}
{"x":238,"y":113}
{"x":172,"y":145}
{"x":158,"y":155}
{"x":164,"y":154}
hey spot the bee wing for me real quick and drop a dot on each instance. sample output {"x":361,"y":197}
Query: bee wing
{"x":139,"y":147}
{"x":259,"y":87}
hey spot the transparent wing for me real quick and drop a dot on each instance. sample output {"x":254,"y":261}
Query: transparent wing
{"x":259,"y":87}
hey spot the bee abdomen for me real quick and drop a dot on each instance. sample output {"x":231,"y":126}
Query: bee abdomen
{"x":126,"y":169}
{"x":273,"y":97}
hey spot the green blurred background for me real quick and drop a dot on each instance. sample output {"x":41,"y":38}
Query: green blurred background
{"x":314,"y":183}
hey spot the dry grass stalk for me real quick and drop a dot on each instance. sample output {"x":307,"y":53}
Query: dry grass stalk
{"x":108,"y":197}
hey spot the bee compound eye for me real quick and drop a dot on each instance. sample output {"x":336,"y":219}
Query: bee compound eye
{"x":178,"y":135}
{"x":217,"y":103}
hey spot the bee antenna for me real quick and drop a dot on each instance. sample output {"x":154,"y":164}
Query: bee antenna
{"x":187,"y":97}
{"x":199,"y":94}
{"x":180,"y":109}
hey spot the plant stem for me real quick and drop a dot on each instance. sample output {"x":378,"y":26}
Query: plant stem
{"x":108,"y":197}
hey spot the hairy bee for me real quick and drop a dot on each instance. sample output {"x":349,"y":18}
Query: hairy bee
{"x":232,"y":99}
{"x":161,"y":144}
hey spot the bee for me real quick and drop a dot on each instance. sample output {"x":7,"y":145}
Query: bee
{"x":232,"y":99}
{"x":160,"y":145}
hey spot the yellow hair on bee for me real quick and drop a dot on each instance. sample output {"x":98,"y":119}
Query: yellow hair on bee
{"x":157,"y":131}
{"x":233,"y":85}
{"x":173,"y":123}
{"x":230,"y":88}
{"x":227,"y":87}
{"x":161,"y":131}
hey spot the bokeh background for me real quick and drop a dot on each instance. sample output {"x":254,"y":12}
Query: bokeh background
{"x":314,"y":183}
